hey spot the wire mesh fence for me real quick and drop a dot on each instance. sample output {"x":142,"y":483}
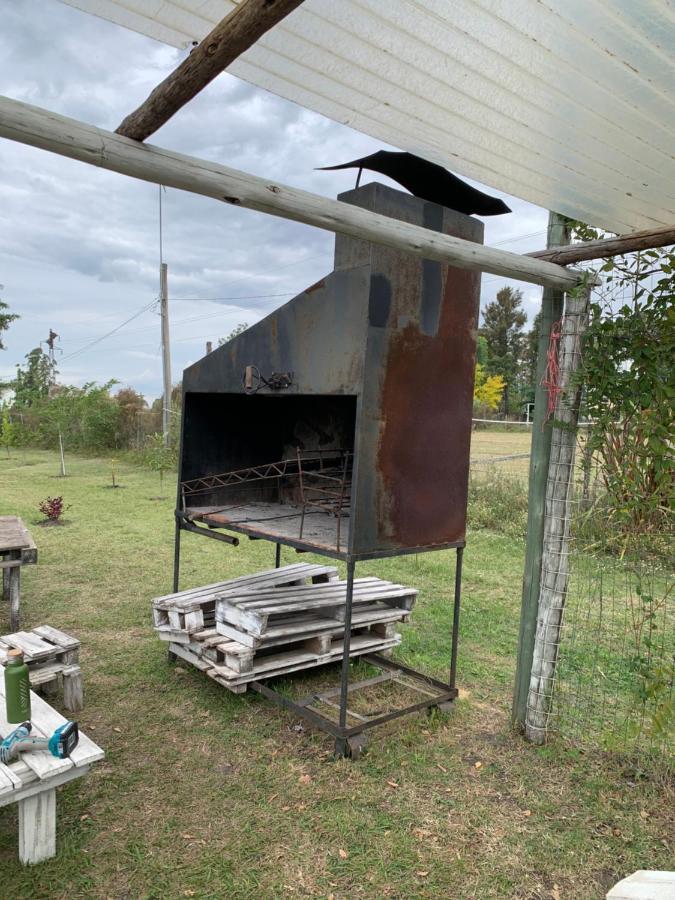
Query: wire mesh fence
{"x":610,"y":643}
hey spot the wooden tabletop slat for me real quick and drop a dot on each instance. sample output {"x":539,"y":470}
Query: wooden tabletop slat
{"x":45,"y":721}
{"x":15,"y":537}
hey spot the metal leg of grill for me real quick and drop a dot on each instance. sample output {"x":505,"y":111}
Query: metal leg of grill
{"x":455,"y":616}
{"x":340,"y":742}
{"x":176,"y":556}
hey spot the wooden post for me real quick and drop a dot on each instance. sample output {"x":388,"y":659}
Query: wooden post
{"x":37,"y":827}
{"x":238,"y":31}
{"x":551,"y":311}
{"x":557,"y":515}
{"x":95,"y":146}
{"x":63,"y":461}
{"x":73,"y":699}
{"x":15,"y":592}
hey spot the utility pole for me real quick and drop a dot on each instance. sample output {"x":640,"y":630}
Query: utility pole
{"x":166,"y":353}
{"x":52,"y":359}
{"x":52,"y":381}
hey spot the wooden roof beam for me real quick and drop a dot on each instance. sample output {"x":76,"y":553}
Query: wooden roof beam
{"x":231,"y":37}
{"x":98,"y":147}
{"x":614,"y":246}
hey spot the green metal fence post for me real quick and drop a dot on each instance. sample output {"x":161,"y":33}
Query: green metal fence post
{"x":551,"y":310}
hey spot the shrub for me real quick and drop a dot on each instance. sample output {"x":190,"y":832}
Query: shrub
{"x":52,"y":508}
{"x":498,"y":500}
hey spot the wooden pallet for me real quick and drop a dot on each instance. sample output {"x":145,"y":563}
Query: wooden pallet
{"x":52,"y":658}
{"x":241,"y":669}
{"x":186,"y":612}
{"x":255,"y":613}
{"x":287,"y":629}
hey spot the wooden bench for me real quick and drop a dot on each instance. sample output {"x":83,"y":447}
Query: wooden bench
{"x":17,"y":548}
{"x":52,"y":658}
{"x":32,"y":779}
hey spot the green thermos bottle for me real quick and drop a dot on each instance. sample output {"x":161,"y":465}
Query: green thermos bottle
{"x":17,"y":688}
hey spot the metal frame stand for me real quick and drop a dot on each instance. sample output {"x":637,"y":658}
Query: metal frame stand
{"x":350,"y":739}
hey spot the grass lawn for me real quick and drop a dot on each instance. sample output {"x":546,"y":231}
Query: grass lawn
{"x":209,"y":795}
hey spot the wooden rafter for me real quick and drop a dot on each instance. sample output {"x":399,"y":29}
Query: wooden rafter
{"x":622,"y":243}
{"x":229,"y":39}
{"x":77,"y":140}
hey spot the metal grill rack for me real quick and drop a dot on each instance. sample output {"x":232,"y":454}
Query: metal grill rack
{"x":326,"y":488}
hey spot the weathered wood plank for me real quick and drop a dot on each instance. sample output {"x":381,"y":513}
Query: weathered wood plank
{"x":293,"y":661}
{"x":59,"y":134}
{"x":566,"y":254}
{"x":73,"y":695}
{"x":37,"y":827}
{"x":59,"y":638}
{"x":15,"y":536}
{"x":31,"y":785}
{"x":45,"y":721}
{"x":31,"y":644}
{"x":183,"y":600}
{"x":43,"y":764}
{"x":234,"y":34}
{"x":555,"y":543}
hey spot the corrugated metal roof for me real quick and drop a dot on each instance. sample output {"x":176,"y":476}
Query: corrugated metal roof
{"x":569,"y":104}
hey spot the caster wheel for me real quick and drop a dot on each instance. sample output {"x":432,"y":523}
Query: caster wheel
{"x":448,"y":707}
{"x":356,"y":746}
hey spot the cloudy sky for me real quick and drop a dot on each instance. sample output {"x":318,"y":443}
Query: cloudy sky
{"x":80,"y":247}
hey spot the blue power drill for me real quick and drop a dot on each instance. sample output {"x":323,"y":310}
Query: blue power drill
{"x":60,"y":744}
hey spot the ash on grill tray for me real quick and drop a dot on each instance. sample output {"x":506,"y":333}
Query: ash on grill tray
{"x":313,"y":482}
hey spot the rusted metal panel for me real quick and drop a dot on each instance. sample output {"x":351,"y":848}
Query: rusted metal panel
{"x":318,"y":335}
{"x":414,"y":424}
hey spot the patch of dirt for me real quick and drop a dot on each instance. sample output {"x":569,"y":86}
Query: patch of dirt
{"x":48,"y":523}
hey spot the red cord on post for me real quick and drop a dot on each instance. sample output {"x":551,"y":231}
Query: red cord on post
{"x":551,"y":377}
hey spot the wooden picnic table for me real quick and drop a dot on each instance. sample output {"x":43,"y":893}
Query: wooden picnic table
{"x":17,"y":548}
{"x":32,"y":779}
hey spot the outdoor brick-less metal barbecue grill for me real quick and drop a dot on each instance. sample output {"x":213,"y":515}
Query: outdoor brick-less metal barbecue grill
{"x":340,"y":424}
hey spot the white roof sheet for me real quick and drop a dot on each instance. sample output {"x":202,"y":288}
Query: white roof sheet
{"x":569,"y":104}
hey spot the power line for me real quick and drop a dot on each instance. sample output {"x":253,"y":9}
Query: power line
{"x":225,"y":299}
{"x":108,"y":333}
{"x":206,"y":316}
{"x":518,"y":237}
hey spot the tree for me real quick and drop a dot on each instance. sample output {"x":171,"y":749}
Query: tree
{"x":33,"y":382}
{"x":132,"y":405}
{"x":238,"y":329}
{"x":503,"y":322}
{"x":530,"y":350}
{"x":6,"y":320}
{"x":159,"y":458}
{"x":6,"y":430}
{"x":481,"y":350}
{"x":487,"y":389}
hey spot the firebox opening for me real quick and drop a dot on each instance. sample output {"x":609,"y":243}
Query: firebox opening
{"x":274,"y":466}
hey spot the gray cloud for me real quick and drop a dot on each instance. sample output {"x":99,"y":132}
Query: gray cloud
{"x":79,"y":247}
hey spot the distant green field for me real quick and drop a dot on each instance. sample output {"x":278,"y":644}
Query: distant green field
{"x":209,"y":795}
